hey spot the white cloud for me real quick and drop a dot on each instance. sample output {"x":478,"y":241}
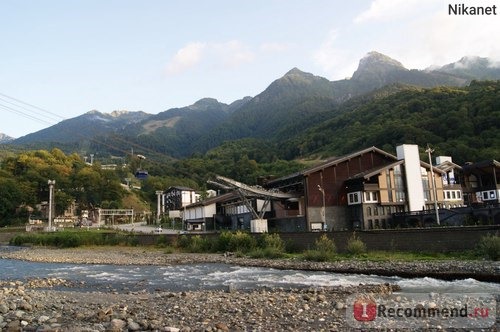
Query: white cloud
{"x":338,"y":63}
{"x":187,"y":57}
{"x":228,"y":54}
{"x":381,"y":10}
{"x":444,"y":38}
{"x":421,"y":33}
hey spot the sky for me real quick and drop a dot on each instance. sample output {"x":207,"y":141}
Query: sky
{"x":62,"y":58}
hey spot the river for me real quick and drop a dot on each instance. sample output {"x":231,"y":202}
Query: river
{"x":122,"y":278}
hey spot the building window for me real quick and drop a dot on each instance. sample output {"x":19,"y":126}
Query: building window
{"x":450,"y":195}
{"x":369,"y":211}
{"x":371,"y":197}
{"x":399,"y":184}
{"x":354,"y":198}
{"x":425,"y":184}
{"x":389,"y":186}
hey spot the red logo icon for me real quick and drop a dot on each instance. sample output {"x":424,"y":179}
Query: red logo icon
{"x":364,"y":310}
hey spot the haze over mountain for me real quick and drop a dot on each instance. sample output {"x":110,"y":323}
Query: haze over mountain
{"x":5,"y":138}
{"x":85,"y":126}
{"x":286,"y":108}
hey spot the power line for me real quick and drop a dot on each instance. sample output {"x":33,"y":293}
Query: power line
{"x":49,"y":118}
{"x":27,"y":115}
{"x":57,"y":116}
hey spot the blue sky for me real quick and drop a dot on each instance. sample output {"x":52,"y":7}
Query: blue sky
{"x":68,"y":57}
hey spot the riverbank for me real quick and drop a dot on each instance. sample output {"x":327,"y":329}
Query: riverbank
{"x":25,"y":307}
{"x":48,"y":305}
{"x":481,"y":270}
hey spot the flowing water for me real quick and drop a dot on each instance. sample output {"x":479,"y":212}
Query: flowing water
{"x":218,"y":276}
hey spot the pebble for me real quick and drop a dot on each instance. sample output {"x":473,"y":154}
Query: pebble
{"x":44,"y":305}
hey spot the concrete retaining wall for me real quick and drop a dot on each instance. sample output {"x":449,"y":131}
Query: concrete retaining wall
{"x":450,"y":239}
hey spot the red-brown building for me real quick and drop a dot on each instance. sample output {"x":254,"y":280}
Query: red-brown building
{"x":364,"y":189}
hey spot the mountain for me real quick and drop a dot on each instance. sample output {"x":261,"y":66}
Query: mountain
{"x":84,"y":127}
{"x":5,"y":138}
{"x":287,"y":108}
{"x":299,"y":99}
{"x":472,"y":67}
{"x":286,"y":100}
{"x":176,"y":131}
{"x":377,"y":70}
{"x":457,"y":121}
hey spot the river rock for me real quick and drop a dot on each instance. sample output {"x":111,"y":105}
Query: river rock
{"x":3,"y":308}
{"x":117,"y":324}
{"x":171,"y":329}
{"x":133,"y":326}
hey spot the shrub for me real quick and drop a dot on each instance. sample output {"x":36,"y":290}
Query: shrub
{"x":489,"y":247}
{"x":195,"y":243}
{"x":183,"y":242}
{"x":199,"y":244}
{"x":269,"y":252}
{"x":222,"y":243}
{"x":325,"y":244}
{"x":355,"y":245}
{"x":162,"y":242}
{"x":272,"y":241}
{"x":74,"y":238}
{"x":324,"y":250}
{"x":268,"y":246}
{"x":241,"y":242}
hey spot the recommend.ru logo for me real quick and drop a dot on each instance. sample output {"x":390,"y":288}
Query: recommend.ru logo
{"x":421,"y":310}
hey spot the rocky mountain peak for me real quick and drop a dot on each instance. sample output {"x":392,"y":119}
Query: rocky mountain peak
{"x":375,"y":63}
{"x":116,"y":114}
{"x":205,"y":103}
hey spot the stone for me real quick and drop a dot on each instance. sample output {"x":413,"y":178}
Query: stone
{"x":3,"y":308}
{"x":13,"y":326}
{"x":133,"y":326}
{"x":19,"y":313}
{"x":171,"y":329}
{"x":222,"y":327}
{"x":24,"y":305}
{"x":117,"y":324}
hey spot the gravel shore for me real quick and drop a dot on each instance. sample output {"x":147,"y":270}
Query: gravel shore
{"x":35,"y":305}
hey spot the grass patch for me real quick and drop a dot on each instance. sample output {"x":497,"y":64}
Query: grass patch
{"x":74,"y":238}
{"x":385,"y":256}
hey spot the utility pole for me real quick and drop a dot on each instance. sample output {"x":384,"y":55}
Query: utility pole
{"x":51,"y":184}
{"x":159,"y":193}
{"x":434,"y":191}
{"x":323,"y":208}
